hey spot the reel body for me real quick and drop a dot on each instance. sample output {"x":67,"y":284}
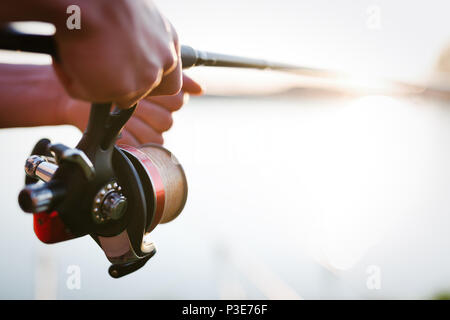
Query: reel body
{"x":115,"y":194}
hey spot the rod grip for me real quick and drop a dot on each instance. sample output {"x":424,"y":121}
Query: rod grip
{"x":12,"y":39}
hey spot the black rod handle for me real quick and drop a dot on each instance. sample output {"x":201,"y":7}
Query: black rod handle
{"x":11,"y":39}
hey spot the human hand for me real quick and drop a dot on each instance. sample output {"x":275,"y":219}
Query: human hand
{"x":152,"y":117}
{"x":124,"y":51}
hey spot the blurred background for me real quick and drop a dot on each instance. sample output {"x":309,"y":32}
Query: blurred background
{"x":298,"y":190}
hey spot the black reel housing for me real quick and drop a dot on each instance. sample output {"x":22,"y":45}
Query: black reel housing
{"x":95,"y":163}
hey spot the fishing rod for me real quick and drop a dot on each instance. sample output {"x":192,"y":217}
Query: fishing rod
{"x":12,"y":39}
{"x":115,"y":194}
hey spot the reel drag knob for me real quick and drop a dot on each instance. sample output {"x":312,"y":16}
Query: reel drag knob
{"x":114,"y":205}
{"x":109,"y":204}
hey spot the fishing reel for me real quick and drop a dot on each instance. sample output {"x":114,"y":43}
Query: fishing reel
{"x":116,"y":194}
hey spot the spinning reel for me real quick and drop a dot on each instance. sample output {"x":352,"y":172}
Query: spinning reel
{"x":116,"y":194}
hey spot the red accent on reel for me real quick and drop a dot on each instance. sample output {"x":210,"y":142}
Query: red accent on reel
{"x":49,"y":227}
{"x":156,"y":180}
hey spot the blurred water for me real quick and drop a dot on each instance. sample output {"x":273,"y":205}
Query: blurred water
{"x":287,"y":199}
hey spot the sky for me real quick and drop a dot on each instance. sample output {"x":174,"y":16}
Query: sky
{"x":400,"y":39}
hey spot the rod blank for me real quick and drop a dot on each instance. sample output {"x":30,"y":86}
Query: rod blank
{"x":12,"y":39}
{"x":191,"y":57}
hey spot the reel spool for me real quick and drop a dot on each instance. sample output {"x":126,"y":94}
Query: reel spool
{"x":163,"y":179}
{"x":117,"y":195}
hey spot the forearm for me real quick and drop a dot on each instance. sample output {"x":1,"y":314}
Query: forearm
{"x":30,"y":96}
